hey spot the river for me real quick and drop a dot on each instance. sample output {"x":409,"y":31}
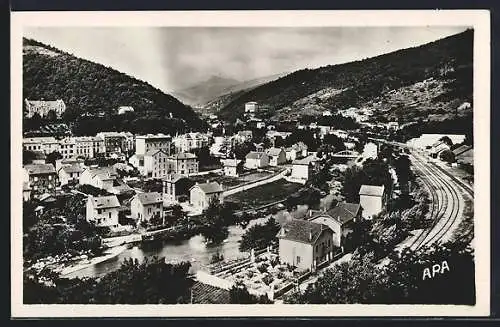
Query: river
{"x":193,"y":250}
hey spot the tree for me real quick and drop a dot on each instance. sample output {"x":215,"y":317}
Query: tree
{"x":374,"y":172}
{"x":260,"y":236}
{"x":355,"y":281}
{"x":217,"y":217}
{"x":150,"y":282}
{"x":28,"y":157}
{"x":403,"y":172}
{"x":447,"y":156}
{"x":239,"y":294}
{"x":240,"y":150}
{"x":52,"y":157}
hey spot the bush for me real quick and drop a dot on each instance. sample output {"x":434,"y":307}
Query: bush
{"x":268,"y":279}
{"x":263,"y":268}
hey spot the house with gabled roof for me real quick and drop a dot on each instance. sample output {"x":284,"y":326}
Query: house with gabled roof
{"x":103,"y":210}
{"x":372,"y":199}
{"x":41,"y":178}
{"x":70,"y":174}
{"x":277,"y":156}
{"x":305,"y":244}
{"x":339,"y":219}
{"x":200,"y":195}
{"x":255,"y":160}
{"x":145,"y":206}
{"x":102,"y":177}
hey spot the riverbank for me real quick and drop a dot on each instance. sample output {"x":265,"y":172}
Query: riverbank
{"x":108,"y":254}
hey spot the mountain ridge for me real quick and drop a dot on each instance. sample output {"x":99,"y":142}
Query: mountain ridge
{"x":89,"y":88}
{"x":360,"y":83}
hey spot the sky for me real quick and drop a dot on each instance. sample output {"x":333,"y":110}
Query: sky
{"x":174,"y":58}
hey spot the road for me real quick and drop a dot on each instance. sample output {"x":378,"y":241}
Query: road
{"x":447,"y":201}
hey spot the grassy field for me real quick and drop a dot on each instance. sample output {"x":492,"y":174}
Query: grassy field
{"x":261,"y":195}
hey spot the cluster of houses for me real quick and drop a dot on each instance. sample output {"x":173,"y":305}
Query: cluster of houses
{"x":311,"y":241}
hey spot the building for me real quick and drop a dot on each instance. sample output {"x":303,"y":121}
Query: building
{"x":44,"y":144}
{"x":124,"y":109}
{"x":251,"y":107}
{"x":87,"y":146}
{"x":116,"y":142}
{"x":427,"y":140}
{"x":103,"y":210}
{"x":145,"y":206}
{"x":39,"y":157}
{"x":44,"y":107}
{"x":437,"y":148}
{"x":230,"y":167}
{"x":326,"y":113}
{"x":69,"y":162}
{"x":156,"y":164}
{"x":339,"y":219}
{"x":69,"y":174}
{"x":256,"y":160}
{"x":305,"y":244}
{"x":277,"y":156}
{"x":145,"y":143}
{"x":200,"y":195}
{"x":184,"y":164}
{"x":466,"y":157}
{"x":300,"y":150}
{"x":190,"y":141}
{"x":372,"y":199}
{"x":41,"y":178}
{"x":370,"y":151}
{"x":393,"y":126}
{"x":303,"y":169}
{"x":67,"y":148}
{"x":291,"y":154}
{"x":104,"y":178}
{"x":26,"y":191}
{"x":243,"y":136}
{"x":169,"y":193}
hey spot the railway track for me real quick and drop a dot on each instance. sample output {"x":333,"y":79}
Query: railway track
{"x":446,"y":198}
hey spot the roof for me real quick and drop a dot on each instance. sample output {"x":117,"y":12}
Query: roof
{"x":231,"y":162}
{"x":101,"y":202}
{"x":373,"y":190}
{"x":103,"y":173}
{"x":299,"y":230}
{"x":39,"y":155}
{"x":344,"y":212}
{"x":255,"y":155}
{"x":274,"y":152}
{"x":305,"y":161}
{"x":184,"y":155}
{"x":46,"y":197}
{"x":152,"y":152}
{"x":209,"y":188}
{"x":208,"y":294}
{"x":35,"y":169}
{"x":72,"y":169}
{"x":466,"y":157}
{"x":149,"y":198}
{"x":461,"y":149}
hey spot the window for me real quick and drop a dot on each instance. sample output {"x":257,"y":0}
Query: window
{"x":99,"y":211}
{"x":317,"y":247}
{"x":35,"y":179}
{"x":109,"y":215}
{"x":298,"y":259}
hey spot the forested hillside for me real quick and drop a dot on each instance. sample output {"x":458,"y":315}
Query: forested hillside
{"x":434,"y":78}
{"x":93,"y":93}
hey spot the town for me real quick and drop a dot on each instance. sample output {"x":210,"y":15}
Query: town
{"x":270,"y":204}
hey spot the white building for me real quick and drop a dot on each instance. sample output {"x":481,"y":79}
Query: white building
{"x":370,"y":151}
{"x":255,"y":160}
{"x":190,"y":141}
{"x":69,"y":174}
{"x":251,"y":107}
{"x":124,"y":109}
{"x":103,"y":210}
{"x":200,"y":195}
{"x":303,"y":169}
{"x":185,"y":164}
{"x":145,"y":143}
{"x":103,"y":177}
{"x":43,"y":107}
{"x":230,"y":167}
{"x":43,"y":144}
{"x":277,"y":156}
{"x":372,"y":200}
{"x":145,"y":206}
{"x":427,"y":140}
